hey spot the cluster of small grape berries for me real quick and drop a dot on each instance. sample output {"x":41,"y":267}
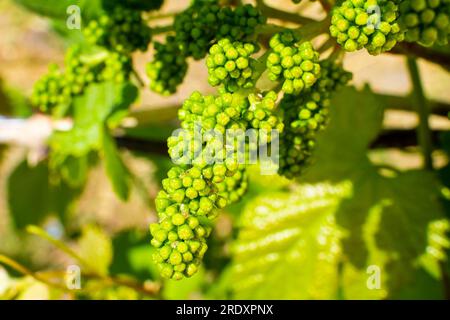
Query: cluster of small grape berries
{"x":187,"y":199}
{"x":233,"y":188}
{"x":306,"y":115}
{"x":213,"y":113}
{"x":79,"y":74}
{"x":294,"y":62}
{"x":194,"y":191}
{"x":230,"y":64}
{"x":262,"y":114}
{"x":58,"y":87}
{"x":370,"y":24}
{"x":205,"y":21}
{"x":239,"y":24}
{"x":195,"y":28}
{"x":168,"y":68}
{"x":117,"y":68}
{"x":122,"y":30}
{"x":48,"y":91}
{"x":426,"y":21}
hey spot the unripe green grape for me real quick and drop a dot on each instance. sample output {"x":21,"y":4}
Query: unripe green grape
{"x":122,"y":30}
{"x":168,"y":67}
{"x":59,"y":87}
{"x":48,"y":92}
{"x":304,"y":116}
{"x":230,"y":64}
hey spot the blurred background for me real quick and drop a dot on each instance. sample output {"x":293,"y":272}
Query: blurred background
{"x":92,"y":223}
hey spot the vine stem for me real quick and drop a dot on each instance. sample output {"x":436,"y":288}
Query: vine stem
{"x":421,"y":104}
{"x":425,"y":142}
{"x":161,"y":29}
{"x":34,"y":230}
{"x":25,"y":271}
{"x":149,"y":290}
{"x":282,"y":15}
{"x":138,"y":78}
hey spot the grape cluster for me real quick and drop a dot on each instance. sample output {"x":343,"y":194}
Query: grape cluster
{"x":122,"y":30}
{"x":208,"y":175}
{"x":180,"y":235}
{"x":239,"y":24}
{"x":48,"y":91}
{"x":262,"y":114}
{"x":197,"y":29}
{"x":58,"y":87}
{"x":205,"y":21}
{"x":168,"y":68}
{"x":306,"y":115}
{"x":230,"y":63}
{"x":117,"y":68}
{"x":295,"y":63}
{"x":79,"y":74}
{"x":426,"y":21}
{"x":233,"y":188}
{"x":370,"y":24}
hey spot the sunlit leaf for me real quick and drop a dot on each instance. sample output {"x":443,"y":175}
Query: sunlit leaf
{"x":95,"y":248}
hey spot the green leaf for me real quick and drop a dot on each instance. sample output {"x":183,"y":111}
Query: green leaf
{"x":116,"y":170}
{"x":32,"y":196}
{"x":306,"y":235}
{"x":188,"y":288}
{"x":95,"y":248}
{"x":324,"y":243}
{"x":133,"y":255}
{"x":356,"y":119}
{"x":100,"y":101}
{"x":288,"y":247}
{"x":70,"y":149}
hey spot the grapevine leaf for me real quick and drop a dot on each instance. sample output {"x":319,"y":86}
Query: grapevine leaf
{"x":184,"y":289}
{"x":387,"y":224}
{"x":32,"y":196}
{"x":291,"y":237}
{"x":307,"y":234}
{"x":132,"y":254}
{"x":380,"y":222}
{"x":356,"y":119}
{"x":101,"y":101}
{"x":70,"y":149}
{"x":116,"y":170}
{"x":95,"y":248}
{"x":342,"y":155}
